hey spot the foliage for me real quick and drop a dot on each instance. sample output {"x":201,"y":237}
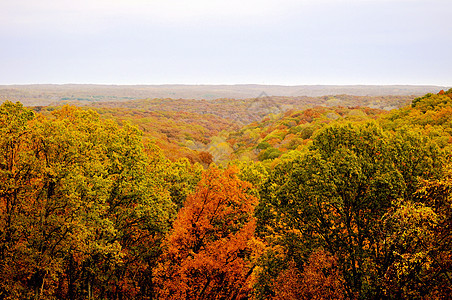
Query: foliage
{"x":320,"y":279}
{"x":207,"y":255}
{"x":325,"y":203}
{"x":335,"y":196}
{"x":80,"y":217}
{"x":181,"y":178}
{"x":421,"y":236}
{"x":269,"y":139}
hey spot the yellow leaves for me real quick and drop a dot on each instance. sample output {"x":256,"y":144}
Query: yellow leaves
{"x":83,"y":196}
{"x":413,"y":221}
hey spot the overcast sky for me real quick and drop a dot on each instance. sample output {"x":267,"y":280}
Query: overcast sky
{"x":226,"y":42}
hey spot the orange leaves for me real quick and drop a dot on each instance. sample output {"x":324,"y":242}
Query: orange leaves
{"x":320,"y":279}
{"x":207,"y":253}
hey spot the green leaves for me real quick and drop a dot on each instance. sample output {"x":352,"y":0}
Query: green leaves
{"x":76,"y":195}
{"x":335,"y":195}
{"x":353,"y":210}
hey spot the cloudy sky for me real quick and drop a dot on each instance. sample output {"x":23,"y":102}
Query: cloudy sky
{"x":226,"y":42}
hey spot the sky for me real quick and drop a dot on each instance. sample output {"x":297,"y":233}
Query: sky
{"x":283,"y":42}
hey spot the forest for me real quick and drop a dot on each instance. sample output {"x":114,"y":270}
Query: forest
{"x":342,"y":200}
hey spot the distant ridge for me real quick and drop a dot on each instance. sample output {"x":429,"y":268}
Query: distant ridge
{"x":45,"y":94}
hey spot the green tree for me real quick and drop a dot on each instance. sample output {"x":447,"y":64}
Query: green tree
{"x":416,"y":156}
{"x":181,"y":178}
{"x":334,"y":196}
{"x":81,"y":215}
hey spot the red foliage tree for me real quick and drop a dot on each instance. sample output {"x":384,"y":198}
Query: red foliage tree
{"x":207,"y":255}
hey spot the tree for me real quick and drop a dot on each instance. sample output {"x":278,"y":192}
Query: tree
{"x":181,"y":178}
{"x":18,"y":168}
{"x":140,"y":208}
{"x":334,"y":196}
{"x":416,"y":156}
{"x":207,"y":254}
{"x":410,"y":235}
{"x":320,"y":279}
{"x":80,"y":214}
{"x":419,"y":233}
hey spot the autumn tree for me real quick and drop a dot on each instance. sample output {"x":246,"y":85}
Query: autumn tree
{"x":320,"y":279}
{"x":334,"y":197}
{"x":419,"y":233}
{"x":139,"y":207}
{"x":57,"y":206}
{"x":81,"y":217}
{"x":18,"y":168}
{"x":207,"y":254}
{"x":181,"y":178}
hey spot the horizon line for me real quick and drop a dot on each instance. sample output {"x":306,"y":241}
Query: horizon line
{"x":222,"y":84}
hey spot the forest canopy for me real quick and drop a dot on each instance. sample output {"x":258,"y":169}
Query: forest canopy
{"x":328,"y":202}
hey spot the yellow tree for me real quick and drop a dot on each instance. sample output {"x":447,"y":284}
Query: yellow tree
{"x":419,"y":234}
{"x":18,"y":169}
{"x":82,"y":206}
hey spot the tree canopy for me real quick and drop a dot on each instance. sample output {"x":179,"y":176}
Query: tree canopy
{"x":325,"y":203}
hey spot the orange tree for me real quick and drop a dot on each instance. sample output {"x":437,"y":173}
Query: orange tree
{"x":207,"y":254}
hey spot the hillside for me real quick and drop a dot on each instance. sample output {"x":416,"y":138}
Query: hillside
{"x":193,"y":128}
